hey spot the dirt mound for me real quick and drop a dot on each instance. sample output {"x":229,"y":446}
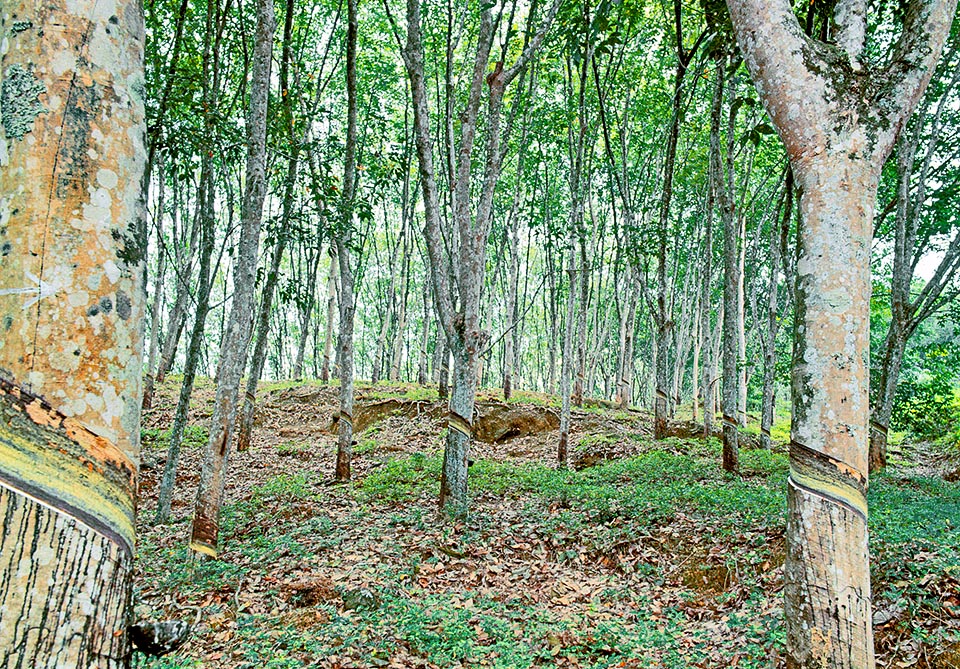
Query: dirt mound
{"x":494,"y":422}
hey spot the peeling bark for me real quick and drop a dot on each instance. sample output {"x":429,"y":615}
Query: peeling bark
{"x":838,"y":123}
{"x":71,"y":160}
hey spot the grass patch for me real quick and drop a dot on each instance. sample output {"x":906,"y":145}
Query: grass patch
{"x":194,"y":436}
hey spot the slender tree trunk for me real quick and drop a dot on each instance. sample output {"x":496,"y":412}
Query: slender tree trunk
{"x":397,"y":347}
{"x":343,"y":242}
{"x":423,"y":374}
{"x":627,"y":374}
{"x":262,"y":333}
{"x":567,"y":364}
{"x":663,"y":319}
{"x":742,"y":365}
{"x":552,"y":296}
{"x":181,"y":414}
{"x":731,"y":298}
{"x":72,"y":295}
{"x":582,"y":305}
{"x":306,"y":316}
{"x":443,"y":365}
{"x":332,"y":282}
{"x":778,"y":237}
{"x":262,"y":339}
{"x":155,"y":309}
{"x":233,"y":356}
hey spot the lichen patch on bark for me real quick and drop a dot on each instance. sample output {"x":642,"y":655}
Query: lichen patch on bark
{"x":20,"y":101}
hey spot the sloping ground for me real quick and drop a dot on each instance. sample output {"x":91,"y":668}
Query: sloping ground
{"x":648,"y":556}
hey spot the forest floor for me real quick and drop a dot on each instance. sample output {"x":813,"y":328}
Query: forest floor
{"x":644,"y":555}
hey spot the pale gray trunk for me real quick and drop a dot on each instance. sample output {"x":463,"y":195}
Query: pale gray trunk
{"x":262,"y":338}
{"x":306,"y":316}
{"x":332,"y":282}
{"x":155,"y":309}
{"x":567,"y":360}
{"x":233,"y":354}
{"x":731,"y":318}
{"x":182,"y":412}
{"x":778,"y":240}
{"x":343,"y":242}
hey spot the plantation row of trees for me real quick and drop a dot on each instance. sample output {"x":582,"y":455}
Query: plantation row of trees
{"x":574,"y":197}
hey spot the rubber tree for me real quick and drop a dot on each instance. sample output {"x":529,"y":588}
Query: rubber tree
{"x":72,"y":306}
{"x":917,"y":163}
{"x":458,"y":275}
{"x":839,"y":115}
{"x":343,"y":239}
{"x":206,"y":515}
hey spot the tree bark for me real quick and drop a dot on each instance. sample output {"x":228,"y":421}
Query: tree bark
{"x":182,"y":412}
{"x":907,"y":312}
{"x":343,"y":242}
{"x":837,"y":141}
{"x":566,"y":367}
{"x":72,"y":296}
{"x":233,"y":356}
{"x":778,"y":241}
{"x":457,"y":288}
{"x":262,"y":332}
{"x":662,"y":317}
{"x":732,"y":313}
{"x":155,"y":308}
{"x":332,"y":282}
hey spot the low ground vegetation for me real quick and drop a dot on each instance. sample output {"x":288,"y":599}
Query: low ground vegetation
{"x":645,"y":555}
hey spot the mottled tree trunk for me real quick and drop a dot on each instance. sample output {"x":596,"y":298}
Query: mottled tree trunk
{"x":262,"y":332}
{"x":457,"y":288}
{"x":837,"y":143}
{"x":72,"y":299}
{"x":331,"y":314}
{"x":155,"y":309}
{"x":732,"y":313}
{"x":261,"y":339}
{"x":566,"y":368}
{"x":233,"y":355}
{"x":344,"y":242}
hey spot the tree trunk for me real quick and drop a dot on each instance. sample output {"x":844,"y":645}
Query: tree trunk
{"x":155,"y":309}
{"x":453,"y":482}
{"x":71,"y":290}
{"x":732,"y":312}
{"x":662,"y":317}
{"x":262,"y":335}
{"x":567,"y":363}
{"x":731,"y":375}
{"x":423,"y":374}
{"x":837,"y":143}
{"x":344,"y":242}
{"x":443,"y":365}
{"x":233,"y":356}
{"x":181,"y":414}
{"x":332,"y":282}
{"x":778,"y":238}
{"x":306,"y":316}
